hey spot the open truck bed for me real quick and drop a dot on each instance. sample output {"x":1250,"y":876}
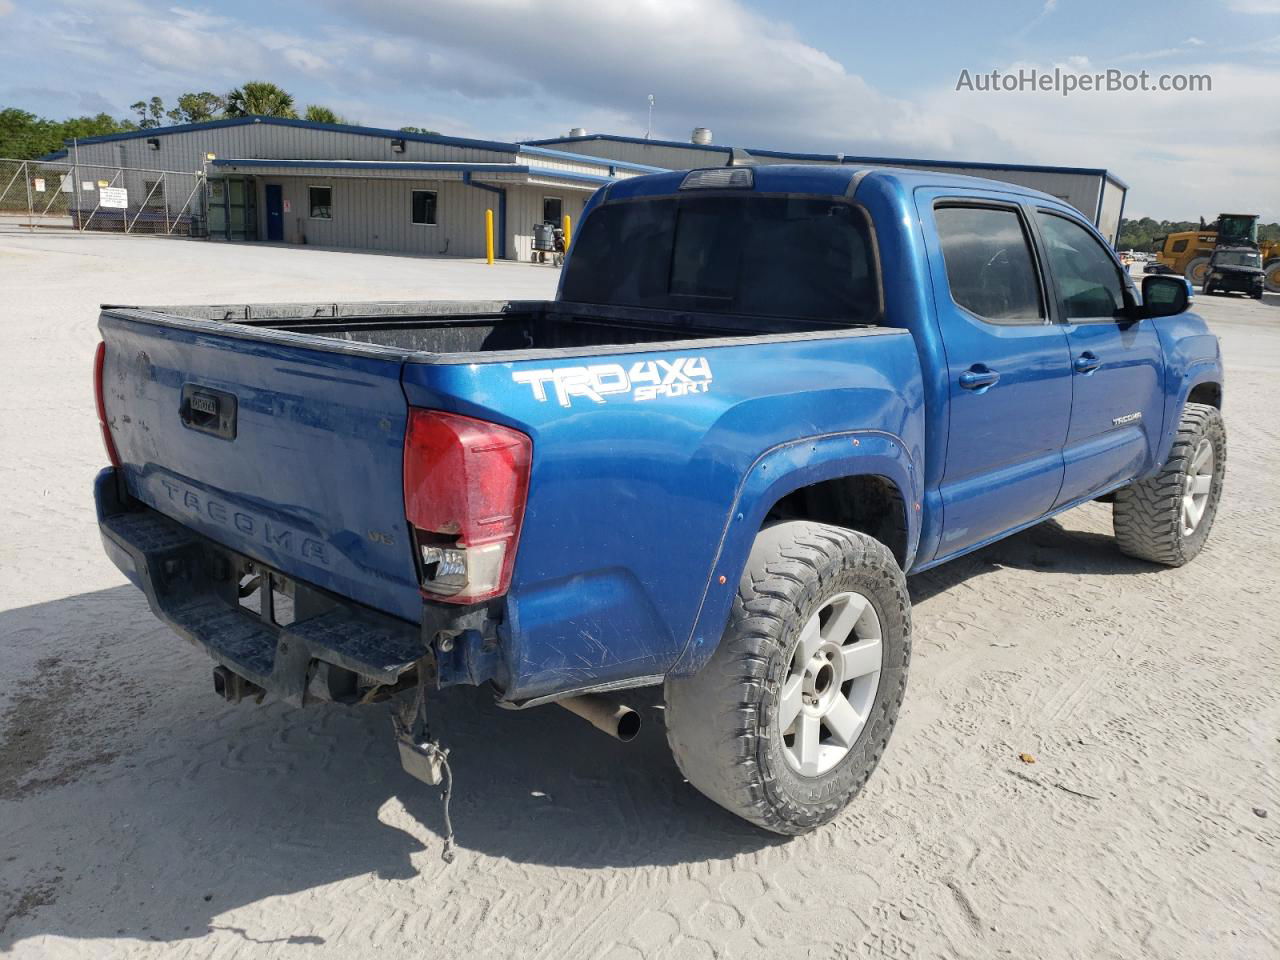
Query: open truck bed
{"x":440,"y":330}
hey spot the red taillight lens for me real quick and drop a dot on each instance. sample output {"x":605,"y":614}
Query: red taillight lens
{"x":465,"y":484}
{"x":99,"y":359}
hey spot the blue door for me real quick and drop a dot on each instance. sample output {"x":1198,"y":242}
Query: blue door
{"x":275,"y":213}
{"x":1117,"y":407}
{"x":1008,"y":368}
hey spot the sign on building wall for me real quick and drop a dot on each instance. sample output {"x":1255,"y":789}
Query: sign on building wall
{"x":38,"y":183}
{"x":115,"y":198}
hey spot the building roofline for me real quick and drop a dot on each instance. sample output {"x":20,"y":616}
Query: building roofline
{"x":495,"y":145}
{"x":839,"y":158}
{"x":498,"y":146}
{"x":442,"y":166}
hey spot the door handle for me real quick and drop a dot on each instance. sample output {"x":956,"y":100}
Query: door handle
{"x":1087,"y":363}
{"x":978,"y":377}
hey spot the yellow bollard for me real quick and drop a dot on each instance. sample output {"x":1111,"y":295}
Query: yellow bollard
{"x":566,"y":233}
{"x":488,"y":236}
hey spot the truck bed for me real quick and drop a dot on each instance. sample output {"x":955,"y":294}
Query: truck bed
{"x":449,"y":330}
{"x":273,"y":436}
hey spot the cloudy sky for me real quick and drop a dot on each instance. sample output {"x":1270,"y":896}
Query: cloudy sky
{"x":858,"y":77}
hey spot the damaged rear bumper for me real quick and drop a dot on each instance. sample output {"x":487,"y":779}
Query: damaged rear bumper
{"x":300,"y":643}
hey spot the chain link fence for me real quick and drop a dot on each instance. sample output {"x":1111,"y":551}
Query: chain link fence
{"x":40,"y":194}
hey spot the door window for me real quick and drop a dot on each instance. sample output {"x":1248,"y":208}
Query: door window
{"x":990,"y":270}
{"x":1087,"y":279}
{"x":552,"y":209}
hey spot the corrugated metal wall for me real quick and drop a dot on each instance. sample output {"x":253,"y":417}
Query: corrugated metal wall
{"x":1079,"y":190}
{"x":377,"y":214}
{"x":671,"y":158}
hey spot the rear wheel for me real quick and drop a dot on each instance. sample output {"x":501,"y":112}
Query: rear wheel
{"x":1167,"y":518}
{"x":791,"y":715}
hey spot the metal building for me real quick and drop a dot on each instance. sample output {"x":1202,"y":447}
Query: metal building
{"x":337,"y":185}
{"x":294,"y":181}
{"x":1097,"y":193}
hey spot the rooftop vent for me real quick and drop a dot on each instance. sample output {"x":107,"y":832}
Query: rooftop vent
{"x":578,"y":131}
{"x":701,"y":136}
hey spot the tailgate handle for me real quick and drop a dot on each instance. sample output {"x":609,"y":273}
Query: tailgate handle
{"x":209,"y":411}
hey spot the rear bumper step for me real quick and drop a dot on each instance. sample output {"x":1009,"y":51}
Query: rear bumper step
{"x":194,"y":585}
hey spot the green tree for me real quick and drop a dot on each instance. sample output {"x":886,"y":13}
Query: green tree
{"x":259,"y":99}
{"x":430,"y":133}
{"x":150,"y":112}
{"x":318,"y":114}
{"x":24,"y":136}
{"x":196,"y":107}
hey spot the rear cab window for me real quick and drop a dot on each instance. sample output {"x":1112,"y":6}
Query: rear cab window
{"x":991,"y":271}
{"x":745,"y":254}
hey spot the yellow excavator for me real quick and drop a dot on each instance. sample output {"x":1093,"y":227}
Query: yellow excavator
{"x":1188,"y":251}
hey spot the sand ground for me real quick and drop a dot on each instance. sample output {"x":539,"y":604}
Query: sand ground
{"x":142,"y":817}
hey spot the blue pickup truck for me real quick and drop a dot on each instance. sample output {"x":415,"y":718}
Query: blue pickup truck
{"x":762,"y":396}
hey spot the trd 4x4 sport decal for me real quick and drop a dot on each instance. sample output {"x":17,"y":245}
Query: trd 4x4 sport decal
{"x":644,"y":380}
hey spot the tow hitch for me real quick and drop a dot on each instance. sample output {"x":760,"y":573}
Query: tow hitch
{"x":422,"y":756}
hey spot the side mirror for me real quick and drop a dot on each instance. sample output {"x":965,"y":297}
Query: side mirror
{"x":1163,"y":296}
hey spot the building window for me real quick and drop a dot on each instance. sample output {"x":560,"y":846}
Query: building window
{"x":552,"y":210}
{"x":320,"y":200}
{"x":424,"y":207}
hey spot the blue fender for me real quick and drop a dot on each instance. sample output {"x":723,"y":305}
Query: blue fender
{"x":777,"y":472}
{"x":1192,"y":357}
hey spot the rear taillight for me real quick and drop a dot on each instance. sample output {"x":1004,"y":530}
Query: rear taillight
{"x":465,"y":483}
{"x":98,"y":360}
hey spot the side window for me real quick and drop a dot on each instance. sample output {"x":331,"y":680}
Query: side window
{"x":1087,"y":279}
{"x":989,"y":265}
{"x":1179,"y":245}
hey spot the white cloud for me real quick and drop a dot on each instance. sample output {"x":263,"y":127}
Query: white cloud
{"x":1181,"y":153}
{"x":529,"y":68}
{"x":708,"y":62}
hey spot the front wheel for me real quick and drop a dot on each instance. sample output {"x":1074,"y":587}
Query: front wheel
{"x":1167,"y":518}
{"x":792,"y":713}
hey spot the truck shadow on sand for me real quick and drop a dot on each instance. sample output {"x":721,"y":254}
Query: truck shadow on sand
{"x":1048,"y":547}
{"x":136,"y":804}
{"x":184,"y":808}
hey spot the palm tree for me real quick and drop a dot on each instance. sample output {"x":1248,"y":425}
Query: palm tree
{"x":259,"y":99}
{"x":318,"y":114}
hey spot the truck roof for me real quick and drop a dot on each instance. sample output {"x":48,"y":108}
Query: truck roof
{"x":820,"y":180}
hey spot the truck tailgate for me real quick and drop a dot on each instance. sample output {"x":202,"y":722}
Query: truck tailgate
{"x":289,"y":455}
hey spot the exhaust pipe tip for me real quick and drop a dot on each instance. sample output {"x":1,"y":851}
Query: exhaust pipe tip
{"x":628,"y":727}
{"x":616,"y":719}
